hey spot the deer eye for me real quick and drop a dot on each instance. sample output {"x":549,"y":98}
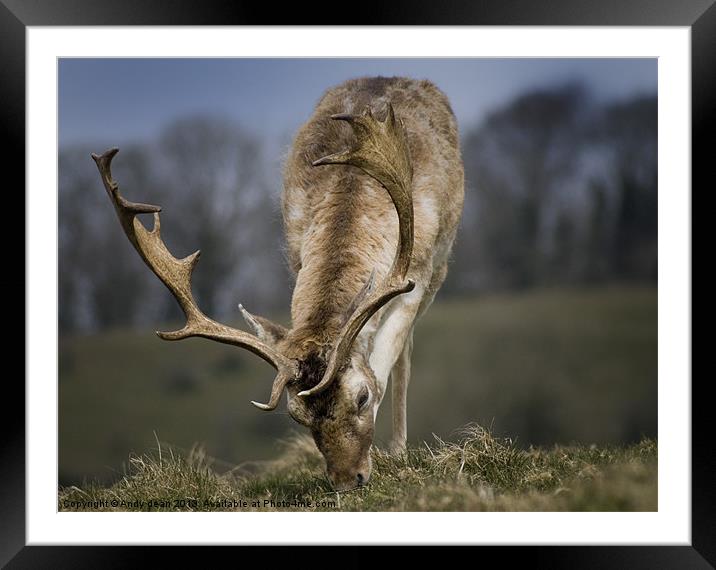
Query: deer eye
{"x":363,"y":399}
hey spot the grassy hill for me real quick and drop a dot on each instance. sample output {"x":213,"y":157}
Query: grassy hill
{"x":478,"y":472}
{"x":552,"y":366}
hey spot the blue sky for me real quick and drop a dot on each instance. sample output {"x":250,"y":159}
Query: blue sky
{"x":129,"y":99}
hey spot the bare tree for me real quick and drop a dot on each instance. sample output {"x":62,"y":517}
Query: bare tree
{"x":208,"y":166}
{"x":561,"y":190}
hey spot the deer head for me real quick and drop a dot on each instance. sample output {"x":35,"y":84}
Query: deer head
{"x":331,"y":388}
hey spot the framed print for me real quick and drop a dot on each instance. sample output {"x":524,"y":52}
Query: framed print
{"x":530,"y":170}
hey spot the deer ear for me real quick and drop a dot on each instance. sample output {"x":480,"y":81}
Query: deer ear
{"x":267,"y":331}
{"x":298,"y":411}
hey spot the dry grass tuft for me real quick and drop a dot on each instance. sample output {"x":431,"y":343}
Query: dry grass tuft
{"x":477,"y":472}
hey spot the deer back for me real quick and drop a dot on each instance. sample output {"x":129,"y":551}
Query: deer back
{"x":340,"y":224}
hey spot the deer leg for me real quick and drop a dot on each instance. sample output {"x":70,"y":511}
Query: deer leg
{"x":399,"y":379}
{"x":400,"y":374}
{"x":391,"y":337}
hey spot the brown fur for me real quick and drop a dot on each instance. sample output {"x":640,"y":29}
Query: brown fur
{"x":343,"y":233}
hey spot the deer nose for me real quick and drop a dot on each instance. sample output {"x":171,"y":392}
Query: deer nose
{"x":360,"y":479}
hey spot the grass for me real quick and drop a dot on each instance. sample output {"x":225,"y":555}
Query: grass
{"x":477,"y":472}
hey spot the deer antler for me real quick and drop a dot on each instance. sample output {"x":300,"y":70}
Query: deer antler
{"x":381,"y":151}
{"x":176,"y":275}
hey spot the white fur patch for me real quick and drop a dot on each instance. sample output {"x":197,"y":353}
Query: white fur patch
{"x":391,"y":335}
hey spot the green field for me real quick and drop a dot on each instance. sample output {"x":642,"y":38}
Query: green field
{"x":574,"y":367}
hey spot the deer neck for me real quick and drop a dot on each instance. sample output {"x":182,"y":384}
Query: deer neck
{"x":337,"y":260}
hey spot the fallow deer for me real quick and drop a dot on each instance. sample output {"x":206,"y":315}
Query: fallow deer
{"x":363,"y":274}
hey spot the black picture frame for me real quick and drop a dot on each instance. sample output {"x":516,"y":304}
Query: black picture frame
{"x":17,"y":15}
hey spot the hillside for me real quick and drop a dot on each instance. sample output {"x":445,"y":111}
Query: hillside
{"x":553,"y":366}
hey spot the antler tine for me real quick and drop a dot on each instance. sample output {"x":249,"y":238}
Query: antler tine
{"x":176,"y":275}
{"x":381,"y":151}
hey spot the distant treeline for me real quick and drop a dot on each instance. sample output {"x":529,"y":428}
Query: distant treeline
{"x":560,"y":189}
